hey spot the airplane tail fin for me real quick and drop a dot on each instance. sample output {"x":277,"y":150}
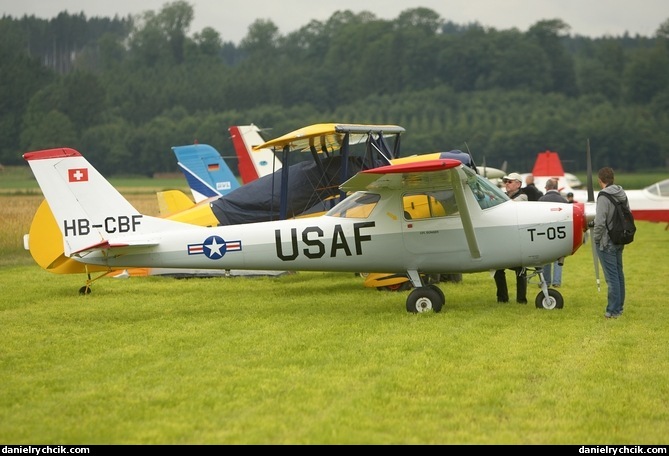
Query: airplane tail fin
{"x":252,"y":163}
{"x":548,"y":164}
{"x":87,"y":209}
{"x":206,"y":172}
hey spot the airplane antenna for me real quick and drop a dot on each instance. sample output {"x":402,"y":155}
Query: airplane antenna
{"x":471,"y":158}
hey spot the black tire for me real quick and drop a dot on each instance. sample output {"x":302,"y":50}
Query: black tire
{"x":85,"y":290}
{"x":440,"y":291}
{"x":424,"y":299}
{"x":554,"y":300}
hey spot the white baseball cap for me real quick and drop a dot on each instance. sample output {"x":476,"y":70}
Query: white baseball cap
{"x":513,"y":177}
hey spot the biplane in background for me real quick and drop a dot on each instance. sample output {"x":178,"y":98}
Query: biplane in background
{"x":649,"y":204}
{"x":456,"y":230}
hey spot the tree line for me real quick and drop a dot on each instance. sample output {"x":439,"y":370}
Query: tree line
{"x":123,"y":91}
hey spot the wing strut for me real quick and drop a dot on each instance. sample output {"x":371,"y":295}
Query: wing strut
{"x":465,"y":215}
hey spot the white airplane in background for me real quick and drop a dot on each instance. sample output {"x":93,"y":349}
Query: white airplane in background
{"x":432,"y":216}
{"x":649,"y":204}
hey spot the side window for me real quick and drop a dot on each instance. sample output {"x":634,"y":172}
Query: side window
{"x":429,"y":205}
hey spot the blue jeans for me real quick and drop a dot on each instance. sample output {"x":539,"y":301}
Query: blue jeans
{"x":611,"y":258}
{"x":556,"y":277}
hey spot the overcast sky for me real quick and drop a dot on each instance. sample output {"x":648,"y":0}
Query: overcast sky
{"x":231,"y":18}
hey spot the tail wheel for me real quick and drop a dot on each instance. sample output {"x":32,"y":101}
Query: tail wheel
{"x":424,"y":299}
{"x":85,"y":290}
{"x":553,"y":301}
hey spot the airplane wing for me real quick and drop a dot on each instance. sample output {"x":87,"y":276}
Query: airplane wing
{"x":416,"y":174}
{"x":328,"y":137}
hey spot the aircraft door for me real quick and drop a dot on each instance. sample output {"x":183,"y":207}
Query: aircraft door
{"x":431,"y":223}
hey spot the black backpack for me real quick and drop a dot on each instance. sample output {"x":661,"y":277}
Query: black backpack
{"x":622,"y":229}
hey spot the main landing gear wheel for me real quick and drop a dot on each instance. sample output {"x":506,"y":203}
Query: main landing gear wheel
{"x":554,"y":300}
{"x":424,"y":299}
{"x":438,"y":290}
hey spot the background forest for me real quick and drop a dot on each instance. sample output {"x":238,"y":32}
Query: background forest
{"x":123,"y":91}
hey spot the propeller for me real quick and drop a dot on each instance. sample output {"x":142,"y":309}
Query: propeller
{"x":591,"y":204}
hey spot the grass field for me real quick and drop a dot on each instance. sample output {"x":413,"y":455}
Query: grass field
{"x":315,"y":358}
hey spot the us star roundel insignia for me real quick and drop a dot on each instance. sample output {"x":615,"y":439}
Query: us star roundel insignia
{"x":214,"y":247}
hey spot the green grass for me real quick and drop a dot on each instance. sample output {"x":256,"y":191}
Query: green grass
{"x":316,"y":358}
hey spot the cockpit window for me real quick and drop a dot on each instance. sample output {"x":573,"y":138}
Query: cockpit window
{"x":358,"y":205}
{"x":659,"y":188}
{"x":486,"y":193}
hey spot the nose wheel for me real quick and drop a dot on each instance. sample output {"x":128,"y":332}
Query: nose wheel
{"x":554,"y":300}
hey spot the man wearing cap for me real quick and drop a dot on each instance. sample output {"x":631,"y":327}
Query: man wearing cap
{"x":512,"y":182}
{"x":553,"y":272}
{"x":570,"y":197}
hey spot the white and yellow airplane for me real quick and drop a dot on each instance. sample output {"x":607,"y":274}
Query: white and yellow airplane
{"x":432,"y":216}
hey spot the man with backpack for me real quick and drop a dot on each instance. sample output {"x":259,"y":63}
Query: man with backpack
{"x":610,"y":254}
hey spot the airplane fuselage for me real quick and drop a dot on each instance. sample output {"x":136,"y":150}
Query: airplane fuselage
{"x":383,"y":241}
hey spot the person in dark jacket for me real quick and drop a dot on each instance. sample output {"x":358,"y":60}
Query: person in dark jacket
{"x":610,"y":254}
{"x":531,"y":190}
{"x":512,"y":182}
{"x":553,"y":272}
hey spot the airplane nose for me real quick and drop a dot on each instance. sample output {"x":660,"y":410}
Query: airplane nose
{"x":580,"y":217}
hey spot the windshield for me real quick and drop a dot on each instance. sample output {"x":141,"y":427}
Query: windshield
{"x":659,"y":188}
{"x":358,"y":205}
{"x":486,"y":193}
